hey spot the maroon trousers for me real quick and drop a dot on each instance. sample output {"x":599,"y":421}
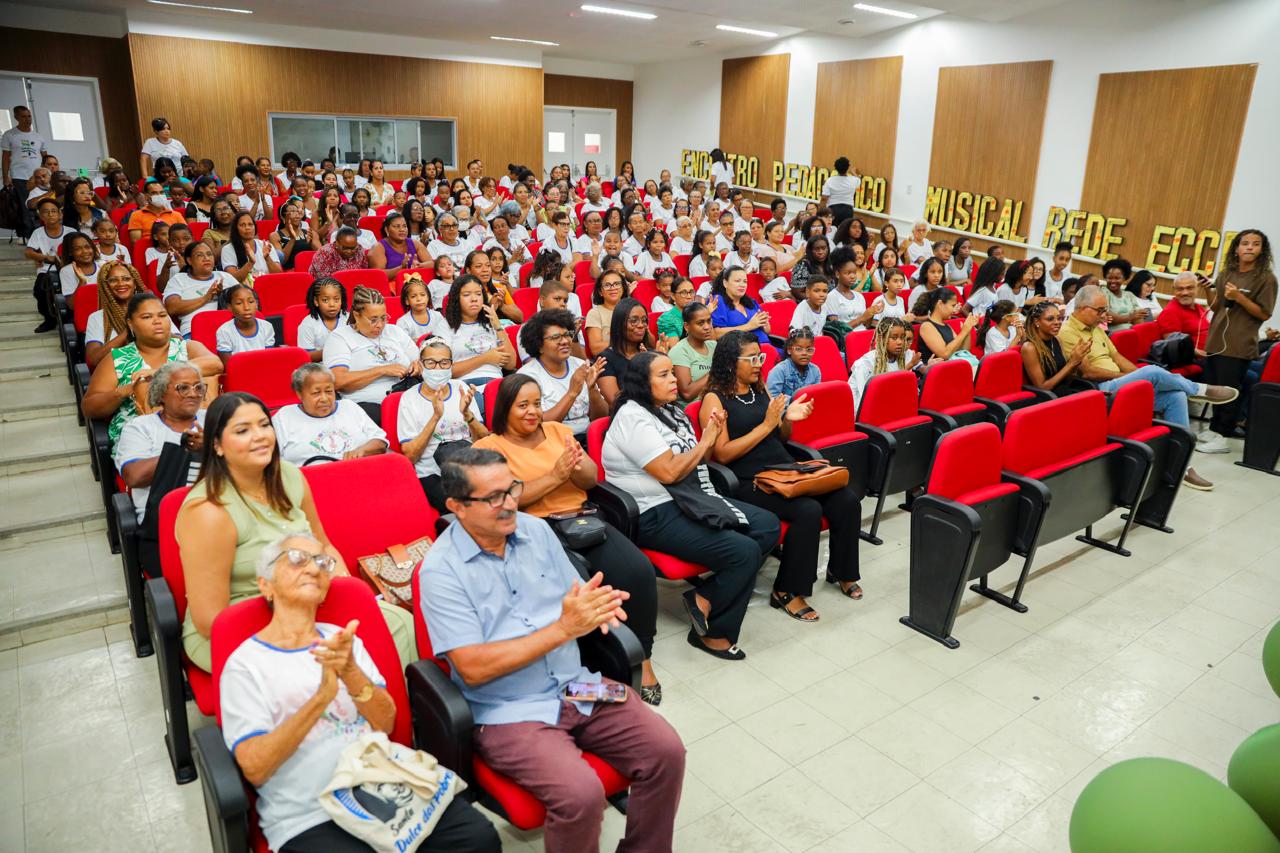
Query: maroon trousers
{"x":547,"y":760}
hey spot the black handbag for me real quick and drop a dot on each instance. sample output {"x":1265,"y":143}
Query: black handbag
{"x":697,"y":498}
{"x":579,"y":532}
{"x":1175,"y":349}
{"x":405,"y":383}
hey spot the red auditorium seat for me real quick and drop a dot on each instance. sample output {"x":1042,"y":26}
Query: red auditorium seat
{"x":293,"y":317}
{"x":376,"y":279}
{"x":1171,"y":446}
{"x":265,"y":373}
{"x":428,"y":275}
{"x":277,"y":291}
{"x":857,"y":344}
{"x":999,"y":385}
{"x":266,"y":227}
{"x":826,"y":355}
{"x":302,"y":261}
{"x":830,"y":431}
{"x":780,"y":313}
{"x":1262,"y":432}
{"x":948,"y":390}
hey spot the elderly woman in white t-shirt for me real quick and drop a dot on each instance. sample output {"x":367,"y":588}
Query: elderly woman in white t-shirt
{"x":369,"y":355}
{"x":320,"y":427}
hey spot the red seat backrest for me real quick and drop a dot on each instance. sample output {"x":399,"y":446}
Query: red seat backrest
{"x":857,"y":344}
{"x":832,"y":412}
{"x":293,"y":317}
{"x":965,"y":460}
{"x":947,"y":384}
{"x":595,"y":444}
{"x":266,"y":373}
{"x":755,"y":283}
{"x":582,"y":273}
{"x":198,"y":229}
{"x":1128,"y":343}
{"x":1148,"y":334}
{"x":428,"y":275}
{"x":302,"y":261}
{"x":526,"y":272}
{"x":1050,"y":432}
{"x":204,"y":327}
{"x":277,"y":291}
{"x":84,"y":303}
{"x":170,"y":554}
{"x":372,"y":223}
{"x":369,"y":503}
{"x":682,"y":264}
{"x":827,"y":356}
{"x":118,"y":216}
{"x":347,"y":599}
{"x":889,"y":397}
{"x":780,"y":313}
{"x":376,"y":279}
{"x":644,"y":291}
{"x":693,"y":410}
{"x":490,"y":399}
{"x":266,"y":227}
{"x":999,"y":374}
{"x":390,"y":418}
{"x":771,"y":359}
{"x":585,"y":292}
{"x":1271,"y":368}
{"x":1131,"y":409}
{"x":526,"y":299}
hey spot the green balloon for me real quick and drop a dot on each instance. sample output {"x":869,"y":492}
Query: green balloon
{"x":1254,"y":773}
{"x":1164,"y":806}
{"x":1271,"y":657}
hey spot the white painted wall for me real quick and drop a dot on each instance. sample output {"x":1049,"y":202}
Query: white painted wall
{"x":1083,"y":39}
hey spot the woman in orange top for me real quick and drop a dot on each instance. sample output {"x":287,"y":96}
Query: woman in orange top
{"x":556,"y":474}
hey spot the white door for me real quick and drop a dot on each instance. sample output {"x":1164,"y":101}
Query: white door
{"x":575,"y":136}
{"x":13,"y":91}
{"x":69,"y":116}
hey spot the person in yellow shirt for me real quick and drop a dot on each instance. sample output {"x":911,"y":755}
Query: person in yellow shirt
{"x":1104,"y":365}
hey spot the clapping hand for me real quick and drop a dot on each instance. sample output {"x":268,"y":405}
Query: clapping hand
{"x":592,"y":605}
{"x":800,"y":408}
{"x":714,"y":426}
{"x":466,"y":394}
{"x":776,"y":411}
{"x":568,"y":461}
{"x":587,"y":373}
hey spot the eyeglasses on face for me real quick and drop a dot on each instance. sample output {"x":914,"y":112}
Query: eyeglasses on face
{"x":498,"y":499}
{"x":755,"y":360}
{"x":185,"y":388}
{"x":558,"y":337}
{"x":437,"y":363}
{"x":376,"y":319}
{"x":298,"y":558}
{"x":636,"y":321}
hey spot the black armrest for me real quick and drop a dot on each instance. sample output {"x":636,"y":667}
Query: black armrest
{"x":802,"y":452}
{"x":778,"y":341}
{"x":617,"y":655}
{"x":1033,"y":500}
{"x":82,"y":376}
{"x":1043,"y":393}
{"x":725,"y":481}
{"x":226,"y":804}
{"x":941,"y":423}
{"x":616,"y":507}
{"x":1133,"y":466}
{"x":883,"y":445}
{"x":67,"y":337}
{"x":1000,"y":410}
{"x":443,"y":522}
{"x":442,"y":719}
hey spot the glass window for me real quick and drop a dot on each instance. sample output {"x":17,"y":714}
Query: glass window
{"x":439,"y":140}
{"x":349,"y":139}
{"x":407,"y":148}
{"x":309,"y":138}
{"x":66,"y":127}
{"x":378,"y":140}
{"x":555,"y":142}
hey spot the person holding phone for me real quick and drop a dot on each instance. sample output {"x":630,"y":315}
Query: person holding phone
{"x":1242,"y":299}
{"x":757,"y":427}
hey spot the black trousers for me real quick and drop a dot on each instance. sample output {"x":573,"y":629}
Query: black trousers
{"x":733,"y":557}
{"x":434,"y":488}
{"x":461,"y":829}
{"x":840,"y":212}
{"x":799,"y":563}
{"x":1225,"y":370}
{"x":625,"y":567}
{"x":374,"y":411}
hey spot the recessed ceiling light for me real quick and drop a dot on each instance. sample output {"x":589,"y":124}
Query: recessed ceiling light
{"x":198,"y":6}
{"x":746,"y":30}
{"x":626,"y":13}
{"x":880,"y":10}
{"x":526,"y":41}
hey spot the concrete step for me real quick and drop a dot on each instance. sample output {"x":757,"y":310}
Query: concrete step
{"x":24,"y":399}
{"x":39,"y":359}
{"x":41,"y":444}
{"x":79,"y":585}
{"x":48,"y":503}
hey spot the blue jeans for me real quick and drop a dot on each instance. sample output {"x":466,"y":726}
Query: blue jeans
{"x":1171,"y":391}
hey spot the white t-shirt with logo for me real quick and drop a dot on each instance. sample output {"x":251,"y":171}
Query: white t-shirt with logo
{"x":41,"y":242}
{"x":184,"y":286}
{"x":646,"y":265}
{"x":636,"y":438}
{"x":469,"y":341}
{"x":144,"y":437}
{"x":416,"y":411}
{"x":95,"y":329}
{"x":26,"y":150}
{"x":173,"y":149}
{"x":456,"y":253}
{"x":262,"y":686}
{"x":415,"y":330}
{"x":312,"y":332}
{"x":231,"y":340}
{"x":347,"y":348}
{"x":69,"y":281}
{"x":846,"y":308}
{"x":554,"y":388}
{"x":302,"y":436}
{"x":260,"y":250}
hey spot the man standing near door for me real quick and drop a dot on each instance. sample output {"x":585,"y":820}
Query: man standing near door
{"x":23,"y":151}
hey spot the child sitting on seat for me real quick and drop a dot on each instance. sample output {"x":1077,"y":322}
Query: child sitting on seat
{"x":244,"y":332}
{"x":714,"y":267}
{"x":775,"y":286}
{"x":1001,"y":327}
{"x":440,"y":285}
{"x":890,"y":351}
{"x":663,"y":302}
{"x":106,"y":236}
{"x":812,"y":313}
{"x":326,"y":312}
{"x":798,"y":371}
{"x":415,"y":299}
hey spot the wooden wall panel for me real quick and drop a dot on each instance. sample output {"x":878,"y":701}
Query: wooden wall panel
{"x":226,"y":90}
{"x":869,"y":90}
{"x":107,"y":59}
{"x":753,"y":109}
{"x":564,"y":90}
{"x":1164,"y":148}
{"x":987,"y":126}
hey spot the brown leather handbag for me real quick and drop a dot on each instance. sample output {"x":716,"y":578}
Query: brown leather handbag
{"x":810,"y":477}
{"x":391,"y":572}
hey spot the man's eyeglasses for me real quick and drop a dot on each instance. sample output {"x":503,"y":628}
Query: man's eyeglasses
{"x":498,"y":499}
{"x":185,"y":388}
{"x":298,"y":558}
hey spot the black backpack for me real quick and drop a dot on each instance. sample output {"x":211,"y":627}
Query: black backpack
{"x":1175,"y":349}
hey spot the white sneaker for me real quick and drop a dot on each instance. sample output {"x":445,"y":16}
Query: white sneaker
{"x":1213,"y":444}
{"x":1204,"y":436}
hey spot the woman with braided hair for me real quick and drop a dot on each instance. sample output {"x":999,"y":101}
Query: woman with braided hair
{"x":1042,"y":358}
{"x":106,"y":329}
{"x":890,"y":351}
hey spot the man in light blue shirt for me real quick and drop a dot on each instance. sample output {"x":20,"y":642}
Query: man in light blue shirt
{"x":502,"y":602}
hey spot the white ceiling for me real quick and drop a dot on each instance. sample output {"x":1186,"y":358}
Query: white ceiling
{"x":581,"y":35}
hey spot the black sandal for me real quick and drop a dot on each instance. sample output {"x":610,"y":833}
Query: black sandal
{"x":731,"y":653}
{"x":854,"y":592}
{"x":780,"y":600}
{"x":695,"y":614}
{"x":651,"y":695}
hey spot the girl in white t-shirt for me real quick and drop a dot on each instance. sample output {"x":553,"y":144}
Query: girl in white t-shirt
{"x":1058,"y":274}
{"x":82,"y":264}
{"x":654,"y":257}
{"x":775,"y":286}
{"x":244,"y":332}
{"x":106,"y":236}
{"x":446,"y":272}
{"x":246,"y":256}
{"x":164,"y":256}
{"x":959,"y":269}
{"x":890,"y":303}
{"x":889,"y":352}
{"x":742,"y":256}
{"x":1001,"y":327}
{"x":481,"y":350}
{"x":326,"y":312}
{"x":418,"y":318}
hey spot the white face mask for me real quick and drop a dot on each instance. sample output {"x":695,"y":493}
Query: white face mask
{"x":436,"y":377}
{"x":160,"y":202}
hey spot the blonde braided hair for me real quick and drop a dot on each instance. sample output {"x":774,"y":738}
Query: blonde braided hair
{"x":113,"y":319}
{"x":883,"y":328}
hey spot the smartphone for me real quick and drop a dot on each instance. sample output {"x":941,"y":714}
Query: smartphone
{"x":585,"y":691}
{"x":561,"y":516}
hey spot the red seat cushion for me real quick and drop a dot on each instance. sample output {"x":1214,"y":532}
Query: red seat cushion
{"x":903,"y":423}
{"x":964,"y":409}
{"x":1071,"y":462}
{"x":202,"y":689}
{"x":673,"y":568}
{"x":523,"y":808}
{"x":1015,"y":397}
{"x":837,"y":438}
{"x":1150,"y":433}
{"x":986,"y":493}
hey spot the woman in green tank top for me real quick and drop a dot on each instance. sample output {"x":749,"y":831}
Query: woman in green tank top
{"x":246,"y":498}
{"x":111,"y":390}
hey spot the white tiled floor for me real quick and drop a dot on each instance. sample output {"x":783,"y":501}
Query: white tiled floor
{"x":854,"y":734}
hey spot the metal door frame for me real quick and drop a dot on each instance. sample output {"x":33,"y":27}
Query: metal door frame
{"x":573,"y":110}
{"x":27,"y":77}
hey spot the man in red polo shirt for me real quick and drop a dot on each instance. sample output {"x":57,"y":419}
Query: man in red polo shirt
{"x":1184,"y":314}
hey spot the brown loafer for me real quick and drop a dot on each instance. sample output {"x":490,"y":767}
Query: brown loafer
{"x":1192,"y":480}
{"x":1215,"y":394}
